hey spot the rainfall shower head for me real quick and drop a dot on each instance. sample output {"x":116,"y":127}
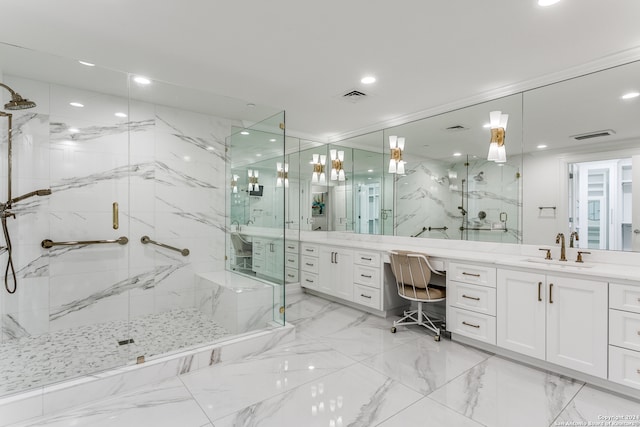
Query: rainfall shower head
{"x":17,"y":102}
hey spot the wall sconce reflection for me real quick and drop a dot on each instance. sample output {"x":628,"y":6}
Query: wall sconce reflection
{"x":337,"y":172}
{"x":253,"y":179}
{"x":282,"y":174}
{"x":396,"y":145}
{"x":318,"y":161}
{"x":234,"y":183}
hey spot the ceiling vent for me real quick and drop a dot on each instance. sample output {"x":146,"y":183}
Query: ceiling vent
{"x":354,"y":95}
{"x":456,"y":128}
{"x":596,"y":134}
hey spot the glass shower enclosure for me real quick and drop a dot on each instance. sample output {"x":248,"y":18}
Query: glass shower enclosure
{"x":110,"y":265}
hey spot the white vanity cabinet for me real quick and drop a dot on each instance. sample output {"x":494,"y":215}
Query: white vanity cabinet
{"x":562,"y":320}
{"x":309,"y":266}
{"x":336,"y":272}
{"x":268,"y":257}
{"x":624,"y":334}
{"x":291,"y":261}
{"x":471,"y":301}
{"x":367,"y":279}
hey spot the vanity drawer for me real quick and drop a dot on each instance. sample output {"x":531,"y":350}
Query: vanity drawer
{"x":624,"y":366}
{"x":366,"y":296}
{"x":624,"y":297}
{"x":309,"y":264}
{"x":624,"y":329}
{"x":291,"y":275}
{"x":291,"y":247}
{"x":476,"y":274}
{"x":368,"y":276}
{"x":473,"y":325}
{"x":308,"y":280}
{"x":480,"y":299}
{"x":367,"y":258}
{"x":311,"y":250}
{"x":291,"y":260}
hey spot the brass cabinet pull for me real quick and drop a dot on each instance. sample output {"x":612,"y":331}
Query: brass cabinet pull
{"x":550,"y":293}
{"x":468,"y":297}
{"x":472,"y":325}
{"x":539,"y":291}
{"x":365,"y":296}
{"x":116,"y":223}
{"x":470,"y":274}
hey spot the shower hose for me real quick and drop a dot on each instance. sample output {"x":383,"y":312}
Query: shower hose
{"x":7,"y":239}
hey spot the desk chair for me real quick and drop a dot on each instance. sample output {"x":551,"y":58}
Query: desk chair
{"x":412,"y":272}
{"x":243,"y":251}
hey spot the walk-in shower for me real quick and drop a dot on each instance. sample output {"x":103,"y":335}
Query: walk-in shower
{"x":17,"y":102}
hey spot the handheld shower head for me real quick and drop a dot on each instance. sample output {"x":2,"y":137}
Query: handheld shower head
{"x":17,"y":102}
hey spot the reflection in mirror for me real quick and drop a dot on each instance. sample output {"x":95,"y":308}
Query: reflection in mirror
{"x":449,"y":189}
{"x":581,"y":156}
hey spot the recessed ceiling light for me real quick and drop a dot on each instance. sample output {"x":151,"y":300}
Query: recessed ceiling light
{"x":186,"y":158}
{"x":367,"y":80}
{"x":74,"y":130}
{"x":545,"y":3}
{"x":486,"y":125}
{"x":121,"y":115}
{"x":88,"y":64}
{"x":541,"y":146}
{"x":369,"y":170}
{"x":142,"y":80}
{"x":630,"y":95}
{"x":244,"y":132}
{"x":369,"y":178}
{"x":251,"y":105}
{"x":210,"y":148}
{"x":272,"y":140}
{"x":76,"y":104}
{"x":457,"y":154}
{"x":258,"y":155}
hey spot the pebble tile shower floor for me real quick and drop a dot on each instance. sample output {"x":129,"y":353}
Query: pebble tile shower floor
{"x":37,"y":361}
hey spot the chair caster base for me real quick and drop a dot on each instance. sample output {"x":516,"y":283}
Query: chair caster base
{"x":393,"y":330}
{"x":436,"y":338}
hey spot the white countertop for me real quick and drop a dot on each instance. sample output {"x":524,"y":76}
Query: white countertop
{"x":497,"y":254}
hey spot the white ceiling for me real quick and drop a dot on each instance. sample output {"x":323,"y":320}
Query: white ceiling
{"x":301,"y":56}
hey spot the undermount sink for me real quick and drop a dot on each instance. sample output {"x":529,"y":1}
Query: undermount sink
{"x":570,"y":264}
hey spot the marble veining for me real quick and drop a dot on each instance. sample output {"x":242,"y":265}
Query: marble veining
{"x":59,"y":131}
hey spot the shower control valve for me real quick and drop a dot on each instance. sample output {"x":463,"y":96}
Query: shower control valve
{"x":548,"y":255}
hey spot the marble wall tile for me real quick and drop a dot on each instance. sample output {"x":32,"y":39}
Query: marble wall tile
{"x":13,"y":410}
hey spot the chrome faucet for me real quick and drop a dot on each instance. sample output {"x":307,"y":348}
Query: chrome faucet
{"x":573,"y":234}
{"x":563,"y":253}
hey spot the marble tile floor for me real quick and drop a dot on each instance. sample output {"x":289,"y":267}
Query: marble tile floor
{"x":46,"y":359}
{"x":345,"y":368}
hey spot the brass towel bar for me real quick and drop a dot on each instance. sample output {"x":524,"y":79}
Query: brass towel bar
{"x":47,"y":243}
{"x":146,"y":239}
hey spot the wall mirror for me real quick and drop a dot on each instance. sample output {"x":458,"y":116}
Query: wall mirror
{"x":582,"y":153}
{"x":449,"y":189}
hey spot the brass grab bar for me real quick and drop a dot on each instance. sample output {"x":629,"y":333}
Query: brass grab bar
{"x":146,"y":239}
{"x":47,"y":243}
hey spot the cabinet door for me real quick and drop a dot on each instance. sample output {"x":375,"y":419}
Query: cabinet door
{"x":274,"y":259}
{"x":577,"y":324}
{"x":343,"y":274}
{"x":521,"y":304}
{"x":326,"y":270}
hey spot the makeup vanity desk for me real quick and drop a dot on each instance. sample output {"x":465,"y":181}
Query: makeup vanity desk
{"x":580,"y":320}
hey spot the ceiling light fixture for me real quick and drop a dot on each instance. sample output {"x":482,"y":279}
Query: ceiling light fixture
{"x":396,"y":145}
{"x":318,"y":161}
{"x":142,"y":80}
{"x":121,"y":115}
{"x":630,"y":95}
{"x":457,"y":154}
{"x":545,"y":3}
{"x":497,"y":151}
{"x":541,"y":146}
{"x":244,"y":132}
{"x":74,"y":130}
{"x":272,"y":140}
{"x":337,"y":172}
{"x":367,"y":80}
{"x":88,"y":64}
{"x":76,"y":104}
{"x":282,"y":175}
